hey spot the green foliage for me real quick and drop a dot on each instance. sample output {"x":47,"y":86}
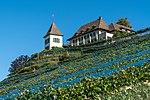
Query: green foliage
{"x":56,"y":48}
{"x":64,"y":56}
{"x":18,"y":63}
{"x":144,"y":30}
{"x":120,"y":34}
{"x":95,"y":88}
{"x":124,"y":22}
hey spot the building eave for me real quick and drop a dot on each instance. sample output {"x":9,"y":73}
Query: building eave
{"x":73,"y":37}
{"x":51,"y":34}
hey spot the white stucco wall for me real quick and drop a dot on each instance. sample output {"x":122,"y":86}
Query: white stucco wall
{"x":109,"y":35}
{"x":54,"y":44}
{"x":105,"y":35}
{"x":99,"y":35}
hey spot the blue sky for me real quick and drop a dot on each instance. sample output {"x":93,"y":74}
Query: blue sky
{"x":23,"y":23}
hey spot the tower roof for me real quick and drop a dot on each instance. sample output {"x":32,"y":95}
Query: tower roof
{"x":53,"y":30}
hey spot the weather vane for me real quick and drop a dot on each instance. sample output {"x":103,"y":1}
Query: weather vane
{"x":52,"y":17}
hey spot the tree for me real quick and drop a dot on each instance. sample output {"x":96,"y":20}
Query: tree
{"x":124,"y":22}
{"x":18,"y":62}
{"x":120,"y":34}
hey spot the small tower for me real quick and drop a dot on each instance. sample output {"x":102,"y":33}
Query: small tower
{"x":53,"y":38}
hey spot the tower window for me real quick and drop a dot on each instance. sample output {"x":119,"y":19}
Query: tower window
{"x":47,"y":41}
{"x":47,"y":48}
{"x":56,"y":40}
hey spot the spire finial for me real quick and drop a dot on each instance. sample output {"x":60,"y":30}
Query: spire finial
{"x":53,"y":17}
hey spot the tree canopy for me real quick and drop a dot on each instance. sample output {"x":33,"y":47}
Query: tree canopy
{"x":144,"y":30}
{"x":18,"y":62}
{"x":124,"y":22}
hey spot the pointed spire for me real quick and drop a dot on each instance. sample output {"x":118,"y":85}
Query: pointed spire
{"x":53,"y":30}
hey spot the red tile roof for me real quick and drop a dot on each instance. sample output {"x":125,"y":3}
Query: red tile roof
{"x":53,"y":30}
{"x":118,"y":27}
{"x":97,"y":24}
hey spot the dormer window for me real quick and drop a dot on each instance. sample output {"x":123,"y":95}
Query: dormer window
{"x":93,"y":26}
{"x":76,"y":34}
{"x":82,"y":31}
{"x":88,"y":29}
{"x":122,"y":29}
{"x":128,"y":31}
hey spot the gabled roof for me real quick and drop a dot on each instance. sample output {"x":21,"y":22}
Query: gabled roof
{"x":53,"y":30}
{"x":97,"y":24}
{"x":118,"y":27}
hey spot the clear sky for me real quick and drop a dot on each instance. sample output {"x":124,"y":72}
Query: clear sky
{"x":23,"y":23}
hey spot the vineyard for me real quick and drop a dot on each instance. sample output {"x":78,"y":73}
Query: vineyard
{"x":93,"y":72}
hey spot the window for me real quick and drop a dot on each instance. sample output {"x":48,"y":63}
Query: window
{"x":56,"y":40}
{"x":128,"y":31}
{"x":93,"y":26}
{"x":76,"y":34}
{"x":82,"y":31}
{"x":74,"y":41}
{"x":91,"y":35}
{"x":80,"y":43}
{"x":47,"y":41}
{"x":79,"y":39}
{"x":94,"y":34}
{"x":88,"y":29}
{"x":87,"y":36}
{"x":47,"y":48}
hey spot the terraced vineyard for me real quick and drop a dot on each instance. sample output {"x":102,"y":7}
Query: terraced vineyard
{"x":96,"y":61}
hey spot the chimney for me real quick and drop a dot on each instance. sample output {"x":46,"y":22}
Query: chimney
{"x":100,"y":17}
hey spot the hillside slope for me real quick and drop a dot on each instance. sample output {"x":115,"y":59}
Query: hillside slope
{"x":85,"y":62}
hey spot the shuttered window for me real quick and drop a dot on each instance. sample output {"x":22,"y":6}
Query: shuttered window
{"x":56,"y":40}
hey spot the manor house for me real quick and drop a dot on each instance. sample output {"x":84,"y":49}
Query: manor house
{"x":95,"y":31}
